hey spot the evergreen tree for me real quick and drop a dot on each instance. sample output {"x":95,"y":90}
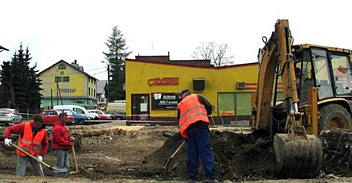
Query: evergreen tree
{"x":25,"y":83}
{"x":7,"y":95}
{"x":19,"y":66}
{"x":35,"y":96}
{"x":116,"y":58}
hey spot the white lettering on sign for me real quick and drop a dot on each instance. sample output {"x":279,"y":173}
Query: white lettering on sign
{"x":67,"y":90}
{"x":169,"y":97}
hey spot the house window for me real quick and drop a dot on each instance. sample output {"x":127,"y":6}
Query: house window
{"x":66,"y":79}
{"x":57,"y":79}
{"x":88,"y":91}
{"x":62,"y":66}
{"x":62,"y":79}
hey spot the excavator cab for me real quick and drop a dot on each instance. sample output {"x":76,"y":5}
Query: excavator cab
{"x":327,"y":69}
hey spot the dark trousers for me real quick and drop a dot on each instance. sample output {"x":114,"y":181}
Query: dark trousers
{"x":198,"y":145}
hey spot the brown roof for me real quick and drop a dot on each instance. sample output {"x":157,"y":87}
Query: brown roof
{"x":166,"y":59}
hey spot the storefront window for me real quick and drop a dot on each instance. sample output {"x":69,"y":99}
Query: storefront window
{"x":243,"y":104}
{"x":226,"y":104}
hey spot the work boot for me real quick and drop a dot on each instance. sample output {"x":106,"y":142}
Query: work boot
{"x":211,"y":181}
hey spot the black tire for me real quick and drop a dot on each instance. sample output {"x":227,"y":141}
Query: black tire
{"x":81,"y":122}
{"x":334,"y":116}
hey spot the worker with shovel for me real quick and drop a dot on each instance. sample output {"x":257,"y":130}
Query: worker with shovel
{"x":33,"y":139}
{"x":61,"y":142}
{"x":193,"y":111}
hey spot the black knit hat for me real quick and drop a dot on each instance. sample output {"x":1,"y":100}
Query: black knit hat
{"x":38,"y":118}
{"x":185,"y":91}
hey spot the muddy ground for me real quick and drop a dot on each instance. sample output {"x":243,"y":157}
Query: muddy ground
{"x":114,"y":153}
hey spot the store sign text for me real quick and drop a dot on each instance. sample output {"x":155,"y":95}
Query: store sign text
{"x":163,"y":81}
{"x":67,"y":90}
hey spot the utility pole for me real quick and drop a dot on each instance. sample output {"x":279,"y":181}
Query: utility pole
{"x":108,"y":92}
{"x":108,"y":83}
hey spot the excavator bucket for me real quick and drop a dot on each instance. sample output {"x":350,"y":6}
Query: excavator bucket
{"x":298,"y":156}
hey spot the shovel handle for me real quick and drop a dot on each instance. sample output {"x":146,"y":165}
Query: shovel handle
{"x":178,"y":149}
{"x":74,"y":156}
{"x":25,"y":152}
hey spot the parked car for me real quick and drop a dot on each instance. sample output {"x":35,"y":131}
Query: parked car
{"x":78,"y":109}
{"x":9,"y":116}
{"x":116,"y":116}
{"x":79,"y":118}
{"x":51,"y":116}
{"x":101,"y":114}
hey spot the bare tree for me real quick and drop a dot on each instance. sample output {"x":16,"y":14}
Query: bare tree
{"x":218,"y":54}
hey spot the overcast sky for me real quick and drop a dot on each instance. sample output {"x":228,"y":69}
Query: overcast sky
{"x":76,"y":29}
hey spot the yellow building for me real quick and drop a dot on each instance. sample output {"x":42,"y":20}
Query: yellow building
{"x":153,"y":85}
{"x":67,"y":84}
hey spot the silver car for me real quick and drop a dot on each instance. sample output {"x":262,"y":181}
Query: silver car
{"x":9,"y":116}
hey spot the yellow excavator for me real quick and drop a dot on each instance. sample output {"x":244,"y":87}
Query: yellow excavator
{"x":302,"y":91}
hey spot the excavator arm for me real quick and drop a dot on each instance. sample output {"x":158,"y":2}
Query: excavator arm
{"x":298,"y":155}
{"x":277,"y":60}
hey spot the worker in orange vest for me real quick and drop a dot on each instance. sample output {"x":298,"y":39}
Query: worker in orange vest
{"x":33,"y":139}
{"x":193,"y":111}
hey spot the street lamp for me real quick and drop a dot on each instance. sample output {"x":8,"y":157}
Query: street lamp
{"x":3,"y":48}
{"x":108,"y":68}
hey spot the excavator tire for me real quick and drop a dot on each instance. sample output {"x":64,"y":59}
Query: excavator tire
{"x":334,"y":116}
{"x":297,"y":157}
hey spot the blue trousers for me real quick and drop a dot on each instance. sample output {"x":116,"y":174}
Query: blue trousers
{"x":198,"y":145}
{"x":62,"y":161}
{"x":22,"y":165}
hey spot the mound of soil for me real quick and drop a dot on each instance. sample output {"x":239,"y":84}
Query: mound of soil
{"x":110,"y":152}
{"x":237,"y":157}
{"x":337,"y":146}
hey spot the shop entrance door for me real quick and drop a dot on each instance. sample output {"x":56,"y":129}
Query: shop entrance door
{"x":140,"y":107}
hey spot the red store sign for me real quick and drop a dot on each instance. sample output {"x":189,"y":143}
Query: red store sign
{"x":163,"y":81}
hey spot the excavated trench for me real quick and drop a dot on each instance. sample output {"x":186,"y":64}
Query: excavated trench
{"x":244,"y":157}
{"x":237,"y":156}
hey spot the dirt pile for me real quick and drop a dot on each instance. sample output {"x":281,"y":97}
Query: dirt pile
{"x":337,"y":145}
{"x":110,"y":152}
{"x":245,"y":157}
{"x":237,"y":157}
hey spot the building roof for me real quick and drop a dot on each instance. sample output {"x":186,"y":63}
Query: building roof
{"x":73,"y":65}
{"x":101,"y":85}
{"x":166,"y":59}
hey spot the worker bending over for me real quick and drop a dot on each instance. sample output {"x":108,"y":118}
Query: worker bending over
{"x":33,"y":139}
{"x":193,"y":111}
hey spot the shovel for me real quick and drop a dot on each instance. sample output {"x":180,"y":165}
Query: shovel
{"x":54,"y":169}
{"x":74,"y":156}
{"x":171,"y":157}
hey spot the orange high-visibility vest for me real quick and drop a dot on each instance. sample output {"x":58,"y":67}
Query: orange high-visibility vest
{"x":191,"y":111}
{"x":28,"y":143}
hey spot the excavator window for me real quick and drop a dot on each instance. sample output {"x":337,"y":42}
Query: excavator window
{"x":342,"y":74}
{"x":322,"y":74}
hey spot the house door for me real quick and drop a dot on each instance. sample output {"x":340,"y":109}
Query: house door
{"x":140,"y":107}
